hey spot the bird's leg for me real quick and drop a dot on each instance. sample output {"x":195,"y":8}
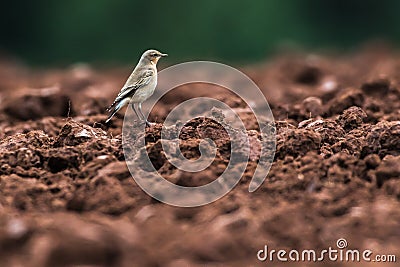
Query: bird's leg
{"x":141,"y":112}
{"x":134,"y":109}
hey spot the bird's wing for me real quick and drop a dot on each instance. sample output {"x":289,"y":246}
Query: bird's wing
{"x":142,"y":80}
{"x":129,"y":90}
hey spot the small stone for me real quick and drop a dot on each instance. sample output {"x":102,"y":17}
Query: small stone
{"x":378,"y":86}
{"x":388,"y":169}
{"x":313,"y":105}
{"x":372,"y":161}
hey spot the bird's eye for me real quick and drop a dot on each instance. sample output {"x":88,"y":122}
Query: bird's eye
{"x":153,"y":55}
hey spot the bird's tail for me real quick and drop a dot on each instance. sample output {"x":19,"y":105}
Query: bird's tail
{"x":115,"y":107}
{"x":110,"y":108}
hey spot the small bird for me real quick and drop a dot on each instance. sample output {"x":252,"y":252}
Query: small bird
{"x":139,"y":86}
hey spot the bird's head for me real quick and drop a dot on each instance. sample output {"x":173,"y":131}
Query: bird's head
{"x":152,"y":56}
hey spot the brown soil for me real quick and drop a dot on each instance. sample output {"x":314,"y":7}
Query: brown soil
{"x":67,"y":197}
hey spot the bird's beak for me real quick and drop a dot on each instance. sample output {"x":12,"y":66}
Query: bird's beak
{"x":163,"y":55}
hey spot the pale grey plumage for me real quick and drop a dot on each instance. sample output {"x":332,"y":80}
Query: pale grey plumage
{"x":139,"y":86}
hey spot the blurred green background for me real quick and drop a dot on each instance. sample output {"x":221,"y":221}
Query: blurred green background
{"x":45,"y":32}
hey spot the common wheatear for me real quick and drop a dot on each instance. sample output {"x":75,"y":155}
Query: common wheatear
{"x":139,"y":86}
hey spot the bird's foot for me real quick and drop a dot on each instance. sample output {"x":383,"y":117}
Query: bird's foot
{"x":148,"y":124}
